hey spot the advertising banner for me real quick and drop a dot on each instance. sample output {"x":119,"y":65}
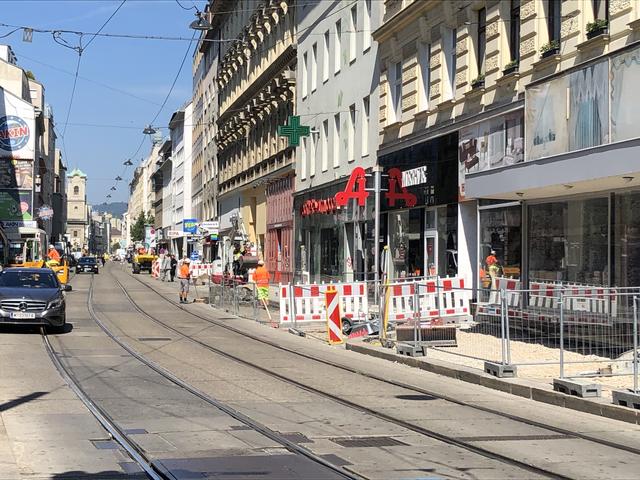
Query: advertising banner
{"x":17,"y":127}
{"x":16,"y":173}
{"x":16,"y":205}
{"x":190,"y":225}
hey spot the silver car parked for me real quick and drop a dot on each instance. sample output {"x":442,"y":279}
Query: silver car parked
{"x":32,"y":296}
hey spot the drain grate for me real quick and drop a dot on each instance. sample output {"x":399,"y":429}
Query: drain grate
{"x":510,"y":438}
{"x":154,"y":339}
{"x":296,"y":437}
{"x":354,"y":442}
{"x":135,"y":431}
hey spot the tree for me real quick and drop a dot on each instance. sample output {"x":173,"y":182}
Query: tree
{"x":137,"y":229}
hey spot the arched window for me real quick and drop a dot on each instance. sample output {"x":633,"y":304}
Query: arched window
{"x":76,"y":190}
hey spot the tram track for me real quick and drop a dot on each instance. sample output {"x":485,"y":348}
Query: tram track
{"x":388,"y":381}
{"x":233,"y":413}
{"x":449,"y":440}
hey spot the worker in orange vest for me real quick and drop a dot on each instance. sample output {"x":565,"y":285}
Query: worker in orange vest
{"x":53,"y":254}
{"x":261,"y":278}
{"x":184,"y":275}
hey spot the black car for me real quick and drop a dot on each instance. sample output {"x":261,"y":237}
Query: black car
{"x":32,"y":296}
{"x":87,"y":264}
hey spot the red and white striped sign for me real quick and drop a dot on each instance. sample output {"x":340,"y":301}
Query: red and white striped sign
{"x":334,"y":318}
{"x":155,"y":269}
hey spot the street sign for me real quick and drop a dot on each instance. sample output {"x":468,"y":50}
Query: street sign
{"x":174,"y":234}
{"x":213,"y":225}
{"x":293,"y":130}
{"x":190,"y":225}
{"x":194,"y":256}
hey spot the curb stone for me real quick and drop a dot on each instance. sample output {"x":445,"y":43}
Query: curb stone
{"x":519,"y":387}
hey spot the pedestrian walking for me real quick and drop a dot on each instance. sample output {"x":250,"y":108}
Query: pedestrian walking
{"x":261,"y":277}
{"x":184,"y":276}
{"x":173,"y":264}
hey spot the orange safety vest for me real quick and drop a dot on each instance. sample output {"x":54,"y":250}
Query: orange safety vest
{"x":261,"y":276}
{"x":53,"y":255}
{"x":184,"y":271}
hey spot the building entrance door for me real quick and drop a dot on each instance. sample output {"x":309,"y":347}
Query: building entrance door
{"x":431,"y":243}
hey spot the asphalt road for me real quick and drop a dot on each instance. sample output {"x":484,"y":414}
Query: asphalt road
{"x":288,"y":410}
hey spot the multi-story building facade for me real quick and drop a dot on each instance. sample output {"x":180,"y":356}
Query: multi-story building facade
{"x":141,"y":196}
{"x":59,"y":202}
{"x":256,"y":93}
{"x":162,"y":193}
{"x":335,"y":56}
{"x":77,"y":216}
{"x":180,"y":134}
{"x":512,"y":125}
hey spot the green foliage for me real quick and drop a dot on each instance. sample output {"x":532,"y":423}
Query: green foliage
{"x":597,"y":24}
{"x":30,"y":75}
{"x":478,"y":79}
{"x":552,"y":45}
{"x":511,"y":64}
{"x":137,"y":229}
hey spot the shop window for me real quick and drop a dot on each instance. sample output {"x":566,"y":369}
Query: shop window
{"x":481,"y":39}
{"x":568,"y":241}
{"x":330,"y":252}
{"x":553,"y":13}
{"x":406,"y":237}
{"x":501,"y":231}
{"x":626,"y":238}
{"x":447,"y":219}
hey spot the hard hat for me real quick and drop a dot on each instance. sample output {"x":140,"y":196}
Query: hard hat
{"x":493,"y":252}
{"x":51,"y":246}
{"x":260,"y":262}
{"x":186,"y":260}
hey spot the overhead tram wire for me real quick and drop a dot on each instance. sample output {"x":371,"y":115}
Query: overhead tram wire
{"x":164,"y":102}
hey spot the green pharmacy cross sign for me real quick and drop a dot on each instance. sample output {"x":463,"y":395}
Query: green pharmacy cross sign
{"x":293,"y":131}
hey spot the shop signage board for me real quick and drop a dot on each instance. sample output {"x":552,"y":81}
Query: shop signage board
{"x":190,"y":225}
{"x":45,"y":212}
{"x":17,"y":128}
{"x":194,"y":256}
{"x":212,"y":225}
{"x":326,"y":206}
{"x":174,"y":234}
{"x":15,"y":224}
{"x":355,"y":189}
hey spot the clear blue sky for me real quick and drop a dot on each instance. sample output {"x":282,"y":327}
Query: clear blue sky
{"x":141,"y":68}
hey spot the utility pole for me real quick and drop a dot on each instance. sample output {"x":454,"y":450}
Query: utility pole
{"x":377,"y":172}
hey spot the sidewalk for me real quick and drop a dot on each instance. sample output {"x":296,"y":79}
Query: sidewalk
{"x":439,"y":372}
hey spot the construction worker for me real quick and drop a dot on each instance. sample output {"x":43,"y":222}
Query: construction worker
{"x":184,"y":276}
{"x":261,"y":278}
{"x":492,"y":265}
{"x":53,"y":254}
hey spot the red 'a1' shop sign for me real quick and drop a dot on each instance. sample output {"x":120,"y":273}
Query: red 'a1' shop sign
{"x":356,"y":189}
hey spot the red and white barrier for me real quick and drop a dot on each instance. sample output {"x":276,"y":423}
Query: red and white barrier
{"x":155,"y":269}
{"x":444,"y":299}
{"x":512,"y":290}
{"x":200,"y":269}
{"x":306,"y":303}
{"x":334,"y":316}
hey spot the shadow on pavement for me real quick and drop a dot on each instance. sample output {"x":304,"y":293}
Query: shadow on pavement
{"x":20,"y":400}
{"x":34,"y":329}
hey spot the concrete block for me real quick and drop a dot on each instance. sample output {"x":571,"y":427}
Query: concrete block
{"x":577,"y":387}
{"x":411,"y":350}
{"x":499,"y":370}
{"x":626,"y":398}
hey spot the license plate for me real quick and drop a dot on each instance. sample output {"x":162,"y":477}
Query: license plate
{"x":22,"y":315}
{"x":87,"y":269}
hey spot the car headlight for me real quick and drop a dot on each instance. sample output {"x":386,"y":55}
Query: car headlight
{"x":56,"y":303}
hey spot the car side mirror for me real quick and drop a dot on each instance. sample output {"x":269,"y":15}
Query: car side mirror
{"x":67,"y":288}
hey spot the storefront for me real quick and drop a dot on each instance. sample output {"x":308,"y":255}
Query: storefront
{"x":419,"y":209}
{"x":279,"y":229}
{"x":333,"y":243}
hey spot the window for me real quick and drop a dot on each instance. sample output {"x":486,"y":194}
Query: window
{"x":424,"y":55}
{"x":76,"y":190}
{"x":449,"y":47}
{"x":501,"y":230}
{"x":365,"y":126}
{"x":601,"y":9}
{"x":351,"y":151}
{"x":312,"y":155}
{"x":336,"y":140}
{"x":325,"y":57}
{"x":395,"y":87}
{"x":325,"y":145}
{"x":554,"y":19}
{"x":366,"y":26}
{"x":514,"y":30}
{"x":482,"y":39}
{"x":304,"y":75}
{"x":75,"y":233}
{"x":352,"y":35}
{"x":338,"y":47}
{"x":303,"y":159}
{"x":314,"y":67}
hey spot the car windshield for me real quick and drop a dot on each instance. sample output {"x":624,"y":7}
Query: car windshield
{"x":87,"y":261}
{"x":15,"y":279}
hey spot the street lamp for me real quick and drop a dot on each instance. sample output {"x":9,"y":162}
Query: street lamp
{"x":128,"y":163}
{"x":149,"y":130}
{"x":118,"y":178}
{"x":201,"y":23}
{"x":113,"y":189}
